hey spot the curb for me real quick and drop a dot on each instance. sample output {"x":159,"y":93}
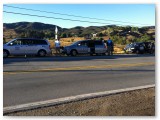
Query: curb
{"x":47,"y":103}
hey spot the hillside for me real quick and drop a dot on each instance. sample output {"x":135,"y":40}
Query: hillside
{"x":119,"y":34}
{"x":29,"y":26}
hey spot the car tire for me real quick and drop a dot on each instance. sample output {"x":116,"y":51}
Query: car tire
{"x":74,"y":53}
{"x":41,"y":53}
{"x":5,"y":53}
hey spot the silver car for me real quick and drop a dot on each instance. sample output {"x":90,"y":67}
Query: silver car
{"x":86,"y":47}
{"x":26,"y":46}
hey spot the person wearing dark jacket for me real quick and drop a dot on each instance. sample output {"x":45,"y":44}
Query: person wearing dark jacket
{"x":110,"y":46}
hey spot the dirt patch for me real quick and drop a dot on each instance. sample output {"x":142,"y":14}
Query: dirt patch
{"x":133,"y":103}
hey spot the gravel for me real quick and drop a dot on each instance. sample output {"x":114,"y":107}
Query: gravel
{"x":133,"y":103}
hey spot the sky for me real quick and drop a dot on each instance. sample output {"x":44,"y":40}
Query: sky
{"x":117,"y":14}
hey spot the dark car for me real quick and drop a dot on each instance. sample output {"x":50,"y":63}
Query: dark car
{"x":149,"y":47}
{"x":140,"y":47}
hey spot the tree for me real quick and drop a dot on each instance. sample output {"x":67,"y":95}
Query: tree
{"x":100,"y":34}
{"x":145,"y":38}
{"x":49,"y":34}
{"x":124,"y":40}
{"x":63,"y":35}
{"x":134,"y":29}
{"x":128,"y":28}
{"x":101,"y":38}
{"x":109,"y":30}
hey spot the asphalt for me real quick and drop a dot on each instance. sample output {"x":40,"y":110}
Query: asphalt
{"x":34,"y":79}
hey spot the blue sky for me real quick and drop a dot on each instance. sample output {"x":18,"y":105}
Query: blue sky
{"x":139,"y":14}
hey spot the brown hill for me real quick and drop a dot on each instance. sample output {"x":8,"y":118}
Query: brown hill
{"x":120,"y":34}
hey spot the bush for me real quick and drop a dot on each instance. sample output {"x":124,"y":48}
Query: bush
{"x":72,"y":40}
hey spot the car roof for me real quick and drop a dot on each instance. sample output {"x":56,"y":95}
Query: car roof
{"x":30,"y":38}
{"x":90,"y":40}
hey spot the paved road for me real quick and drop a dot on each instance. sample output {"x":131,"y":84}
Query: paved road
{"x":34,"y":79}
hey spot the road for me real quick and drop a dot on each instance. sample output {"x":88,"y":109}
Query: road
{"x":34,"y":79}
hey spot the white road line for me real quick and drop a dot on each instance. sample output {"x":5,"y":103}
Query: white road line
{"x":69,"y":99}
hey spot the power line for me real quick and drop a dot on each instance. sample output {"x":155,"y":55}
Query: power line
{"x":73,"y":15}
{"x":56,"y":18}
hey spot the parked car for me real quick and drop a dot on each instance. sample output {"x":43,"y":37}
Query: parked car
{"x":26,"y":46}
{"x":149,"y":47}
{"x":140,"y":47}
{"x":86,"y":47}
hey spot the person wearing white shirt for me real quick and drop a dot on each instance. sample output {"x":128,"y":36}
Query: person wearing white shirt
{"x":57,"y":46}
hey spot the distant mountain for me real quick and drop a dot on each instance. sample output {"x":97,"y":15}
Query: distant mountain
{"x":30,"y":26}
{"x":42,"y":27}
{"x":41,"y":30}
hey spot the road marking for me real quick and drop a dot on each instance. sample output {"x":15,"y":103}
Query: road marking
{"x":46,"y":103}
{"x":79,"y":68}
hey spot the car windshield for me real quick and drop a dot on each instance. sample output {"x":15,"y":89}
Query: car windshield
{"x":133,"y":44}
{"x":127,"y":46}
{"x":10,"y":41}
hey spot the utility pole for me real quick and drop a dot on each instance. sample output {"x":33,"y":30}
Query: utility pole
{"x":56,"y":31}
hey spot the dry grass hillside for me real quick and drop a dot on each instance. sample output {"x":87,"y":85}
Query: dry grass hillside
{"x":151,"y":31}
{"x":66,"y":41}
{"x":9,"y":34}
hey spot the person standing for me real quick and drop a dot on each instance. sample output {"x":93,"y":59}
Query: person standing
{"x":110,"y":46}
{"x":57,"y":46}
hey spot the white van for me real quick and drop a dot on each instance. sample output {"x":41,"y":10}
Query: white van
{"x":26,"y":46}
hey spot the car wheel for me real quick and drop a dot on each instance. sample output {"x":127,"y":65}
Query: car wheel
{"x":42,"y":53}
{"x":5,"y":53}
{"x":73,"y":52}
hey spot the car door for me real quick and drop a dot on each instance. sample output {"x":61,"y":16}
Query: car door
{"x":16,"y":47}
{"x":27,"y":47}
{"x":141,"y":47}
{"x":99,"y":47}
{"x":83,"y":47}
{"x":31,"y":46}
{"x":91,"y":46}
